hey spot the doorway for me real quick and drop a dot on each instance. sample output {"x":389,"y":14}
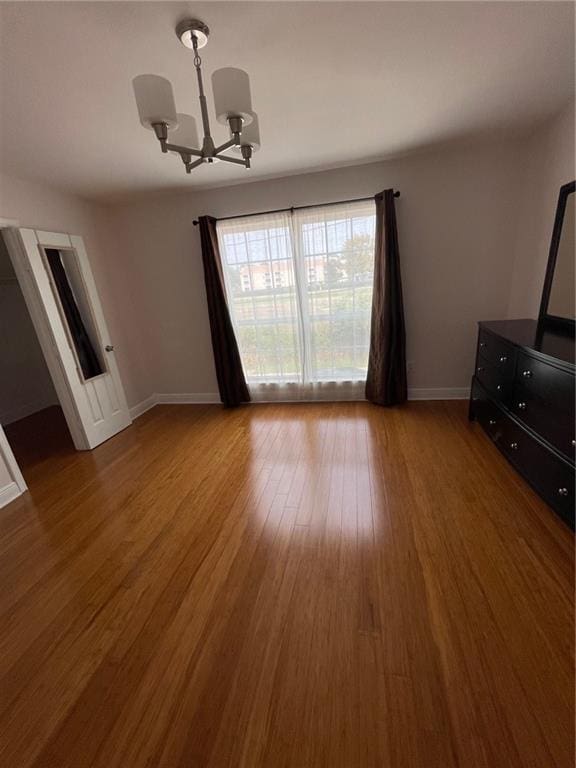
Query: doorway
{"x":79,"y":395}
{"x":30,"y":411}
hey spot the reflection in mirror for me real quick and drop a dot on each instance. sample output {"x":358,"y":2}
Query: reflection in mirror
{"x":75,"y":309}
{"x":561,"y":302}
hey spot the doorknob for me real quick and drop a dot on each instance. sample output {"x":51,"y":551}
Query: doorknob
{"x":109,"y":348}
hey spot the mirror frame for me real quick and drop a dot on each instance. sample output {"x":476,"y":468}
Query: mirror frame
{"x":543,"y":316}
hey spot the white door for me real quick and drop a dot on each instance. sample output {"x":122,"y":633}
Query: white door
{"x":56,"y":279}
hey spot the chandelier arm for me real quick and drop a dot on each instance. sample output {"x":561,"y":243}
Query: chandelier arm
{"x":224,"y":147}
{"x":203,"y":105}
{"x":232,"y":160}
{"x":184,"y":150}
{"x":195,"y":164}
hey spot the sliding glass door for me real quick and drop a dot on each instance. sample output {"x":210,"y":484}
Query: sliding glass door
{"x":299,"y":286}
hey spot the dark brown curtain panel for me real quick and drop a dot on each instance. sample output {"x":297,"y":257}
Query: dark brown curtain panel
{"x":231,"y":381}
{"x":386,"y":378}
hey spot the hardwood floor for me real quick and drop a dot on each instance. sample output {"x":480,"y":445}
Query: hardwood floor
{"x":331,"y":585}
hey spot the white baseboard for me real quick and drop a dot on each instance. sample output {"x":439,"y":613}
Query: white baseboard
{"x":201,"y":398}
{"x":439,"y":393}
{"x":197,"y":398}
{"x":9,"y":493}
{"x":142,"y":407}
{"x":173,"y":399}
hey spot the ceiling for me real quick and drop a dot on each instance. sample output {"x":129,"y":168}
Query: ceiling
{"x":333,"y":83}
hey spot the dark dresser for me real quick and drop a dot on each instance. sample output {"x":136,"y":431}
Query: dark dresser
{"x":523,"y":396}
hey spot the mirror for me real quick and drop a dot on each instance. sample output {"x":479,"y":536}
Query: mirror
{"x":558,"y":296}
{"x":75,"y":310}
{"x":561,"y":302}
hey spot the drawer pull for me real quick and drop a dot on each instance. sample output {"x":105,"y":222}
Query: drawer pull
{"x":563,"y":491}
{"x":573,"y":443}
{"x":492,"y":422}
{"x":521,"y":406}
{"x":527,"y":374}
{"x":479,"y":369}
{"x":503,"y":359}
{"x":499,"y":387}
{"x":482,"y":344}
{"x":514,"y":446}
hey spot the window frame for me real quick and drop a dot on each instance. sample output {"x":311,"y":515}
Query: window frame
{"x":304,"y":274}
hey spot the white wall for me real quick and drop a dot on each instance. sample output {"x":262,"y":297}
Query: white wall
{"x":25,"y":383}
{"x":456,"y":220}
{"x":549,"y":164}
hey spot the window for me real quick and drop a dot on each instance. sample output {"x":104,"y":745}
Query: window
{"x":311,"y":323}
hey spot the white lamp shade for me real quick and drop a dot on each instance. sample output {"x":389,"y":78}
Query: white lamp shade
{"x":186,"y":134}
{"x":231,"y":88}
{"x":155,"y":100}
{"x":250,"y":134}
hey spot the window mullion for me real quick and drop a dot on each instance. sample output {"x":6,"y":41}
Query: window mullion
{"x":302,"y":295}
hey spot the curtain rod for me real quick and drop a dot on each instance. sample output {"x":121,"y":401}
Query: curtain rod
{"x":296,"y":208}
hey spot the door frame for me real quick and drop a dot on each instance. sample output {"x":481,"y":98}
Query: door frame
{"x":18,"y":484}
{"x":43,"y":328}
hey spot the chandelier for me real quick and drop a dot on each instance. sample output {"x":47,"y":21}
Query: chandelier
{"x":177,"y":132}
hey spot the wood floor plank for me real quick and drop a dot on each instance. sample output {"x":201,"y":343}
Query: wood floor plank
{"x":295,"y":586}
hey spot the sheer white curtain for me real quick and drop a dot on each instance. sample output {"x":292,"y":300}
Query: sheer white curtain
{"x":299,"y":287}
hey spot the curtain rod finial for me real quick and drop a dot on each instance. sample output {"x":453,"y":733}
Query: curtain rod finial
{"x":195,"y":222}
{"x":396,"y":194}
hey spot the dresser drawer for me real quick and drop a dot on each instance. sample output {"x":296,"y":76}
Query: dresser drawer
{"x":549,"y":475}
{"x":556,"y":429}
{"x":496,"y":378}
{"x":496,"y":351}
{"x":543,"y":398}
{"x":550,"y":385}
{"x":487,"y":413}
